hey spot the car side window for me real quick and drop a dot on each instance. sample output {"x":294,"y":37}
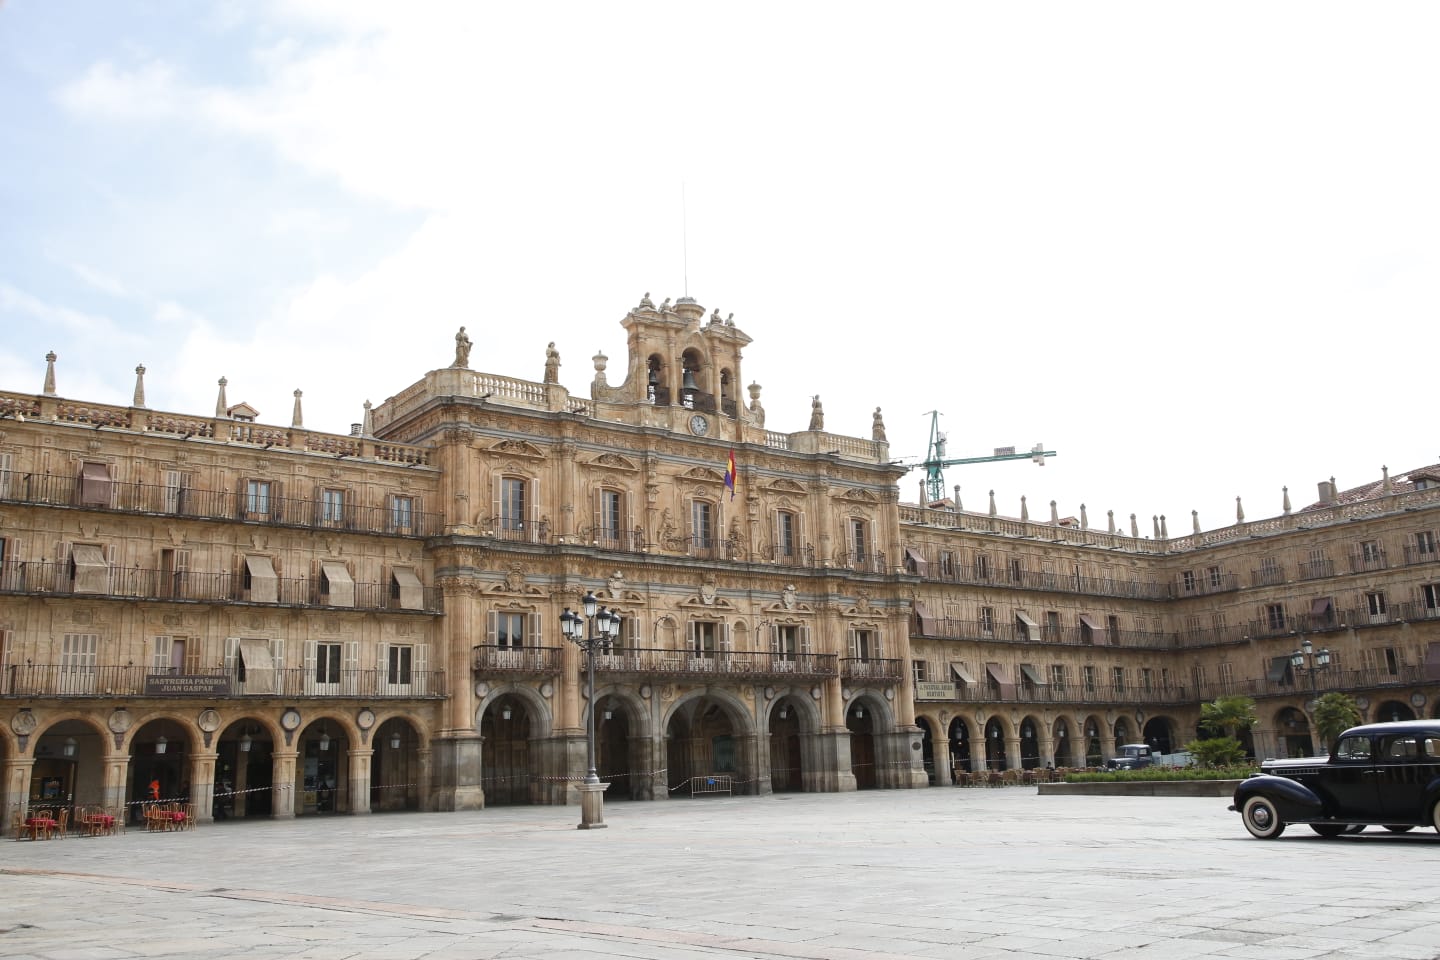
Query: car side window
{"x":1399,"y":748}
{"x":1353,"y":748}
{"x":1429,"y":747}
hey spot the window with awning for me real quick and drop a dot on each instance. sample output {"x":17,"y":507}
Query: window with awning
{"x":1031,"y":675}
{"x":1322,"y":609}
{"x":405,"y":587}
{"x":261,"y":584}
{"x":916,"y":563}
{"x":95,"y":484}
{"x":1025,"y":627}
{"x":1096,"y":631}
{"x":1280,"y":670}
{"x":961,"y":673}
{"x":257,"y":667}
{"x":89,"y":573}
{"x":335,"y":584}
{"x":924,"y":618}
{"x":1001,"y":679}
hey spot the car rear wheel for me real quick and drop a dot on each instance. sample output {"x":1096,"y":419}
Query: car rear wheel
{"x":1330,"y":829}
{"x":1399,"y":827}
{"x":1263,"y":820}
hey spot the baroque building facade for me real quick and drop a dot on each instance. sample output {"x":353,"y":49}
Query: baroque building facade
{"x":270,"y":621}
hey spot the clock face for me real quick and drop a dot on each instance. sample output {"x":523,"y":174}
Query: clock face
{"x":699,"y":425}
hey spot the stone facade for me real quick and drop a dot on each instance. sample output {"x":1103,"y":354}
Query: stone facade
{"x":272,"y":621}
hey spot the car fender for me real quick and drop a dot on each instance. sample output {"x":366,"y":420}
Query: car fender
{"x":1294,"y":801}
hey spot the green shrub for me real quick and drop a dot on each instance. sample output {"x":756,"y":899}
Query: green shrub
{"x":1217,"y":752}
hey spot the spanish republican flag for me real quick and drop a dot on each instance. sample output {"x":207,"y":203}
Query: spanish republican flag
{"x":730,"y":474}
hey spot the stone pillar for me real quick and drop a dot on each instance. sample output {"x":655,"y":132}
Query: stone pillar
{"x":656,"y":759}
{"x":112,"y":792}
{"x":284,"y":793}
{"x":750,"y":766}
{"x":456,"y":763}
{"x":1047,"y":751}
{"x":202,"y":785}
{"x":1012,"y":753}
{"x":940,"y":759}
{"x":1107,"y":745}
{"x":17,"y":785}
{"x":592,"y":806}
{"x":425,"y":796}
{"x":359,"y":771}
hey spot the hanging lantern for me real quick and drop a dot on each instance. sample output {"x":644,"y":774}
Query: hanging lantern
{"x":324,"y":739}
{"x":70,"y":745}
{"x":160,"y":744}
{"x":505,"y":713}
{"x":245,"y":741}
{"x":395,"y":740}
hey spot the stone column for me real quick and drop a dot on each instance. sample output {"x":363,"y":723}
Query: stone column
{"x":17,"y":785}
{"x":284,"y":792}
{"x":117,"y":770}
{"x":359,"y":771}
{"x":1107,"y":745}
{"x":1012,"y":753}
{"x":202,"y":785}
{"x":940,"y":758}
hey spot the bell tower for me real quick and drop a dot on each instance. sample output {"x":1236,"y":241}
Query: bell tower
{"x":682,"y":372}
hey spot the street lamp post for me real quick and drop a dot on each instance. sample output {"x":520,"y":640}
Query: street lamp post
{"x":1309,"y":659}
{"x":604,"y":627}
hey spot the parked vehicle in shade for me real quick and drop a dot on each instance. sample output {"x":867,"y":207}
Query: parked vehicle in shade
{"x":1379,"y":773}
{"x":1132,"y":756}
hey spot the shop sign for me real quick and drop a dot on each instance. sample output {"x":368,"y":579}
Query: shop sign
{"x":186,"y":685}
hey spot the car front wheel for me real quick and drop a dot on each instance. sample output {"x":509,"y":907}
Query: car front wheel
{"x":1263,"y":820}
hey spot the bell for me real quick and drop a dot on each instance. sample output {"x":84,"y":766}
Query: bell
{"x":688,"y":381}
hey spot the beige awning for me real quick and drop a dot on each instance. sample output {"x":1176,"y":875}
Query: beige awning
{"x":922,"y":613}
{"x":412,"y":592}
{"x":341,"y":589}
{"x":1279,"y":669}
{"x":1096,"y":630}
{"x":264,"y":585}
{"x":92,"y":573}
{"x":922,"y":566}
{"x":1031,"y":674}
{"x":1001,"y":676}
{"x":95,"y":484}
{"x":258,"y":667}
{"x":962,"y":673}
{"x":1029,"y":627}
{"x":1320,"y":607}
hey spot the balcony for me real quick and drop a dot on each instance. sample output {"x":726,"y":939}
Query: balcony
{"x":869,"y":668}
{"x":995,"y":631}
{"x":160,"y":500}
{"x":1367,"y":560}
{"x":189,"y":586}
{"x":1421,"y":553}
{"x":614,"y":539}
{"x":1206,"y":584}
{"x":690,"y":664}
{"x":1073,"y":694}
{"x":1332,"y":679}
{"x":1317,"y":569}
{"x":1267,"y":577}
{"x":984,"y":574}
{"x":517,"y":661}
{"x":67,"y":680}
{"x":872,"y":562}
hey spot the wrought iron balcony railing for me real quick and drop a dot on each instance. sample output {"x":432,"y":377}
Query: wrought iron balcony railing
{"x":70,"y":680}
{"x":689,"y":663}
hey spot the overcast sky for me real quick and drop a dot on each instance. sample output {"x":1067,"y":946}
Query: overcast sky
{"x":1192,"y":248}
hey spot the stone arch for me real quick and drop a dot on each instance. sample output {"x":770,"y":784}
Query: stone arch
{"x":245,"y":766}
{"x":1030,"y":730}
{"x":323,"y":744}
{"x":711,"y":731}
{"x":1092,"y":728}
{"x":540,"y":713}
{"x":962,"y":742}
{"x":929,"y":732}
{"x":1069,"y":750}
{"x":1159,"y":733}
{"x":997,"y":734}
{"x":735,"y":708}
{"x":1392,"y":710}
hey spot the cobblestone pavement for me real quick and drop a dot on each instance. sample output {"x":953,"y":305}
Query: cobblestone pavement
{"x":939,"y":873}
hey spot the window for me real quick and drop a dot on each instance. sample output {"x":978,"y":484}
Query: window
{"x":1370,"y":551}
{"x":859,"y":540}
{"x":611,"y":520}
{"x":257,"y":498}
{"x":509,"y":631}
{"x":400,"y":665}
{"x":95,"y":484}
{"x":917,"y":670}
{"x":1430,"y":593}
{"x":175,"y":655}
{"x":864,"y":645}
{"x":327,"y":663}
{"x":1112,"y":629}
{"x":987,"y":621}
{"x":77,"y":663}
{"x":6,"y":461}
{"x":1057,"y":677}
{"x":1375,"y":603}
{"x":174,"y":491}
{"x":702,"y":524}
{"x":787,"y":641}
{"x":1090,"y":683}
{"x":1270,"y":572}
{"x":1117,"y":679}
{"x":1197,"y":673}
{"x":1164,"y":678}
{"x":1275,"y":616}
{"x":1017,"y":570}
{"x":785,"y":534}
{"x":1052,"y":626}
{"x":402,"y":513}
{"x":1227,"y":673}
{"x":1147,"y":679}
{"x":1214,"y":576}
{"x":1187,"y":581}
{"x":982,"y":567}
{"x":512,"y":504}
{"x":1394,"y":660}
{"x":332,"y":506}
{"x":1425,"y":543}
{"x":947,"y":563}
{"x":703,"y":635}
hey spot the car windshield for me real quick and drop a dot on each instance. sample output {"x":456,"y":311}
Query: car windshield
{"x":1353,"y":748}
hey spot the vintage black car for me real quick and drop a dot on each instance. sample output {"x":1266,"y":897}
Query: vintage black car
{"x":1380,"y":773}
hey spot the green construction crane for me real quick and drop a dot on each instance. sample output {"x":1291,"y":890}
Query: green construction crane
{"x":935,"y":462}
